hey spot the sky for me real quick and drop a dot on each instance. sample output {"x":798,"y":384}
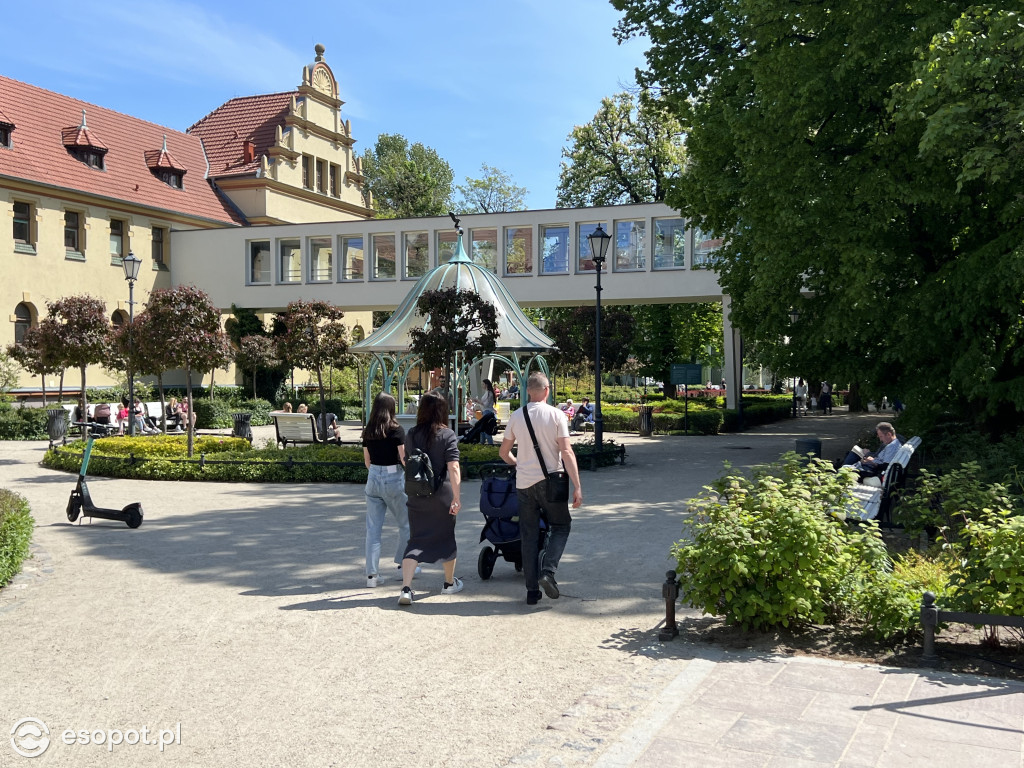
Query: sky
{"x":501,"y":82}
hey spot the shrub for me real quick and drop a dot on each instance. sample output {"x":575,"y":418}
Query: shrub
{"x":889,"y":601}
{"x":989,"y":577}
{"x":771,"y":550}
{"x":213,"y":414}
{"x":260,"y":410}
{"x":16,"y":526}
{"x":22,"y":423}
{"x":755,"y":414}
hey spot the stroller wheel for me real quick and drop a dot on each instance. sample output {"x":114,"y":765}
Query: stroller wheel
{"x":485,"y":562}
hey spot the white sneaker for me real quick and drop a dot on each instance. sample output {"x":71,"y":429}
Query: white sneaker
{"x":371,"y":581}
{"x":406,"y":597}
{"x":417,"y":572}
{"x":456,"y":587}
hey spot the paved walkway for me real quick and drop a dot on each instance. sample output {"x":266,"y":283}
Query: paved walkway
{"x":235,"y":626}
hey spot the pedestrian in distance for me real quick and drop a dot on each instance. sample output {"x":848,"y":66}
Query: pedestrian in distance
{"x":551,"y":431}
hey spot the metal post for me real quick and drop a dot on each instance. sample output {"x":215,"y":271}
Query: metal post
{"x":131,"y":351}
{"x":929,"y":620}
{"x":598,"y":419}
{"x":794,"y":399}
{"x":670,"y":591}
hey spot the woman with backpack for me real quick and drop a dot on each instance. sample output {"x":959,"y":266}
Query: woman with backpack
{"x":384,"y":457}
{"x":433,"y":483}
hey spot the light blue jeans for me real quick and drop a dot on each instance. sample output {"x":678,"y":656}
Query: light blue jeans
{"x":385,"y":490}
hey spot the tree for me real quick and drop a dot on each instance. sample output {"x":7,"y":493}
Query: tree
{"x":243,"y":322}
{"x":315,"y":339}
{"x":862,"y":161}
{"x":629,"y":153}
{"x":79,"y":328}
{"x":182,"y":328}
{"x":495,"y":192}
{"x":674,"y":333}
{"x":406,"y":181}
{"x":573,"y":331}
{"x":456,"y":320}
{"x":256,"y":353}
{"x":32,"y":354}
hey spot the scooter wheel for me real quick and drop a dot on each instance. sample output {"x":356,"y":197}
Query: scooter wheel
{"x":134,"y":512}
{"x":74,"y":508}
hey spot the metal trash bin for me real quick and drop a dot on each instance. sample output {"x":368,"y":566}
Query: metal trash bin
{"x":57,"y":425}
{"x":646,"y":420}
{"x":811,"y":445}
{"x":243,"y":425}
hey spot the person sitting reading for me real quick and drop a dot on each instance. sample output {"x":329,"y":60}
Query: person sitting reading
{"x":584,"y":414}
{"x":870,"y":464}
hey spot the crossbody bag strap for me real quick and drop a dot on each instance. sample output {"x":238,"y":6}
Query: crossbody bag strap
{"x":533,"y":436}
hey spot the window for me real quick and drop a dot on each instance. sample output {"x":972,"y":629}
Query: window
{"x":321,"y":261}
{"x":417,"y":258}
{"x":73,"y":240}
{"x":319,"y":175}
{"x":584,"y":262}
{"x":669,"y":243}
{"x":383,"y":256}
{"x":352,"y":258}
{"x":358,"y":334}
{"x":630,"y":240}
{"x":446,"y":245}
{"x":159,"y":252}
{"x":116,"y":239}
{"x":290,"y":265}
{"x":5,"y":136}
{"x":555,"y":257}
{"x":119,"y":319}
{"x":483,"y":245}
{"x":334,"y":179}
{"x":172,"y":178}
{"x":22,"y":322}
{"x":24,"y":240}
{"x":259,"y":261}
{"x":91,"y":157}
{"x":519,"y":251}
{"x":704,"y":247}
{"x":306,"y":162}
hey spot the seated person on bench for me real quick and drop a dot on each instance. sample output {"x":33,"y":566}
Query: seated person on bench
{"x":332,"y":430}
{"x":585,"y":413}
{"x":870,"y":464}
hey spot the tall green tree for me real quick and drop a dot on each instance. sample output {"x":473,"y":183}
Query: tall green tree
{"x":406,"y":180}
{"x":315,"y":339}
{"x":494,"y":192}
{"x":860,"y":157}
{"x":629,"y":153}
{"x":674,"y":333}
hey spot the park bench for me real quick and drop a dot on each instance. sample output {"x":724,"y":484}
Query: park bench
{"x":298,"y":429}
{"x":878,"y":500}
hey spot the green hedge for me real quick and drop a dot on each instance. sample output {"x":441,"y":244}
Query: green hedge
{"x":163,"y":458}
{"x":22,"y":423}
{"x":755,"y":414}
{"x":16,"y":526}
{"x":623,"y":418}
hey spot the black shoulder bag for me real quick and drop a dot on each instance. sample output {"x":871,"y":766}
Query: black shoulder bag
{"x":557,"y":483}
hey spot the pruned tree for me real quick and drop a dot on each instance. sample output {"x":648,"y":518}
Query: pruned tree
{"x":494,"y":192}
{"x":256,"y":353}
{"x":182,"y":328}
{"x":32,"y":354}
{"x":79,"y":329}
{"x":455,"y":320}
{"x":315,"y":339}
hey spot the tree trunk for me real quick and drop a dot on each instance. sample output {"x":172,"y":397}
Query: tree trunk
{"x":60,"y":391}
{"x":43,"y":380}
{"x":82,"y":399}
{"x":163,"y":405}
{"x":188,"y":416}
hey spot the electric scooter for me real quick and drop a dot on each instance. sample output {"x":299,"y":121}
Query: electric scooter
{"x":80,"y":502}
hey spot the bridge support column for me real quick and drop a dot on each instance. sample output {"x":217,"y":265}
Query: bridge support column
{"x":733,"y":369}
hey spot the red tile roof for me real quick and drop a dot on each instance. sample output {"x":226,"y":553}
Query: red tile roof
{"x":80,"y":136}
{"x":38,"y":154}
{"x":161,"y":158}
{"x":225,"y":131}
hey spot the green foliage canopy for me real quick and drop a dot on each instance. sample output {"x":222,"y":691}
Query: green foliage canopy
{"x":406,"y":180}
{"x":496,"y":191}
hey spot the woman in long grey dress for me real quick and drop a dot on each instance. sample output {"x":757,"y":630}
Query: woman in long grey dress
{"x":432,"y":518}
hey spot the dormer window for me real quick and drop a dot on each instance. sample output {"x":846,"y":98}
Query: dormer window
{"x":5,"y":135}
{"x":82,"y":145}
{"x":163,"y":165}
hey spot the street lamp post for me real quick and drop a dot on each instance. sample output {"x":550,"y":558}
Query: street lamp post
{"x":131,"y":266}
{"x":599,"y":241}
{"x":794,"y":315}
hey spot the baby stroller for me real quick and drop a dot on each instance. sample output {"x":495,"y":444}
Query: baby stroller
{"x":486,"y":424}
{"x":499,"y":505}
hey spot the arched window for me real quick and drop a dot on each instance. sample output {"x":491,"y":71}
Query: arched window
{"x":22,"y":321}
{"x":358,"y":334}
{"x":119,"y":319}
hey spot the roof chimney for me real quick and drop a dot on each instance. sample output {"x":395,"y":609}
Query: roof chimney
{"x":248,"y":151}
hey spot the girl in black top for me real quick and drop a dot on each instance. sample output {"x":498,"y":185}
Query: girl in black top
{"x":384,"y":456}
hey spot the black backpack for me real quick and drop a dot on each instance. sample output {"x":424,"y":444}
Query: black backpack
{"x":419,"y":474}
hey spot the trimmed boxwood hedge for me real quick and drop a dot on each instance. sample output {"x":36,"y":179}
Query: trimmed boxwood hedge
{"x":163,"y":458}
{"x":16,"y":525}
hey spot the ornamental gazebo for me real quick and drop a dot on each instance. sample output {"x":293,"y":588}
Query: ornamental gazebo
{"x":520,"y":344}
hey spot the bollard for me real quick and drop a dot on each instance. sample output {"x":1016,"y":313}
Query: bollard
{"x":670,"y":591}
{"x":929,"y":620}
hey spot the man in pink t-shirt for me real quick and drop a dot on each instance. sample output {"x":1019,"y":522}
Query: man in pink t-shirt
{"x":552,"y":431}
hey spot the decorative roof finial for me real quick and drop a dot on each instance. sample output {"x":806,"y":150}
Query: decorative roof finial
{"x":83,"y":126}
{"x":319,"y":52}
{"x":165,"y":143}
